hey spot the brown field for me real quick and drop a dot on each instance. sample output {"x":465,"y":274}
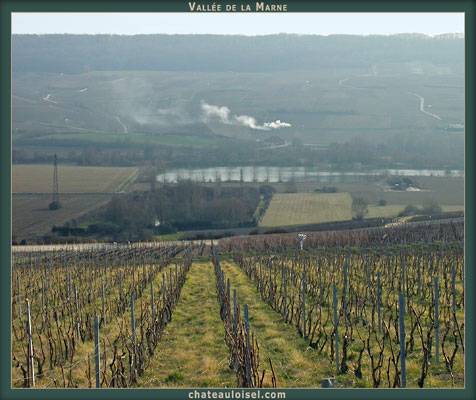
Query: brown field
{"x":32,"y":218}
{"x":71,"y":179}
{"x":312,"y":208}
{"x":448,"y":191}
{"x":393,"y":210}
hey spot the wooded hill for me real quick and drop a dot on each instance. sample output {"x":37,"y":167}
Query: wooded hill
{"x":283,"y":52}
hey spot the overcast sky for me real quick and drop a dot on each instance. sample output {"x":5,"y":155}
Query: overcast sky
{"x":238,"y":23}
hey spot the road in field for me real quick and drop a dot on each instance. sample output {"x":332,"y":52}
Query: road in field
{"x":296,"y":365}
{"x":123,"y":125}
{"x":47,"y":98}
{"x":341,"y":82}
{"x":193,"y":352}
{"x":422,"y":106}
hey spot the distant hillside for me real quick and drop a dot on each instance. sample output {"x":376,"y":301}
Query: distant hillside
{"x":284,"y":52}
{"x":404,"y":92}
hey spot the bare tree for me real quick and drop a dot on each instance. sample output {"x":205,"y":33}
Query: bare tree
{"x":360,"y":207}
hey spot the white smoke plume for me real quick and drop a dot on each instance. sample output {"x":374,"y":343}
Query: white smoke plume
{"x":211,"y":111}
{"x":277,"y":124}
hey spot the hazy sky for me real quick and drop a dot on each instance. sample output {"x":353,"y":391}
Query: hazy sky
{"x":238,"y":23}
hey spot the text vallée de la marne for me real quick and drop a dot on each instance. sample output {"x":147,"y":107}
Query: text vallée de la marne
{"x":216,"y":7}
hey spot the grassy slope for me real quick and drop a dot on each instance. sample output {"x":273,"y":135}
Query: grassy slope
{"x":295,"y":364}
{"x":319,"y":109}
{"x":306,"y":208}
{"x":193,"y":352}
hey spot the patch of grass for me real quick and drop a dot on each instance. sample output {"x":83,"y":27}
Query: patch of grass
{"x":192,"y":352}
{"x":170,"y":237}
{"x":174,"y":378}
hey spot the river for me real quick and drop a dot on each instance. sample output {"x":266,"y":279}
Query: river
{"x":289,"y":174}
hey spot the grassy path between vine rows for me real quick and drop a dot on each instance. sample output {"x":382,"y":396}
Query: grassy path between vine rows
{"x":192,"y":352}
{"x":295,"y":364}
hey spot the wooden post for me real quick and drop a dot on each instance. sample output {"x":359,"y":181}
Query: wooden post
{"x":453,"y":290}
{"x":170,"y":281}
{"x":247,"y":327}
{"x":431,"y":259}
{"x":260,"y":277}
{"x":419,"y":277}
{"x":292,"y":270}
{"x":437,"y":323}
{"x":133,"y":331}
{"x":403,"y":277}
{"x":96,"y":350}
{"x":440,"y":261}
{"x":31,"y":366}
{"x":304,"y":304}
{"x":379,"y":302}
{"x":336,"y":329}
{"x":389,"y":272}
{"x":103,"y":304}
{"x":152,"y":301}
{"x":284,"y":295}
{"x":345,"y":287}
{"x":235,"y":323}
{"x":271,"y":285}
{"x":77,"y":312}
{"x":319,"y":266}
{"x":134,"y":277}
{"x":19,"y":295}
{"x":90,"y":281}
{"x":120,"y":286}
{"x":228,"y":311}
{"x":43,"y":295}
{"x":401,"y":311}
{"x":68,"y":278}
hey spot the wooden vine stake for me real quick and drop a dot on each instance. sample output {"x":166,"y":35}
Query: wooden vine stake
{"x":31,"y":367}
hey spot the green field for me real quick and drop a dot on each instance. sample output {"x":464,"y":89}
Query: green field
{"x":106,"y":138}
{"x":288,"y":209}
{"x":307,"y":208}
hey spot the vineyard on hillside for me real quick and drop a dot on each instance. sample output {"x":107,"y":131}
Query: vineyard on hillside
{"x":379,"y":307}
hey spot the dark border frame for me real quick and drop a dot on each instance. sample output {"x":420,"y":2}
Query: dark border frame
{"x":8,"y":6}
